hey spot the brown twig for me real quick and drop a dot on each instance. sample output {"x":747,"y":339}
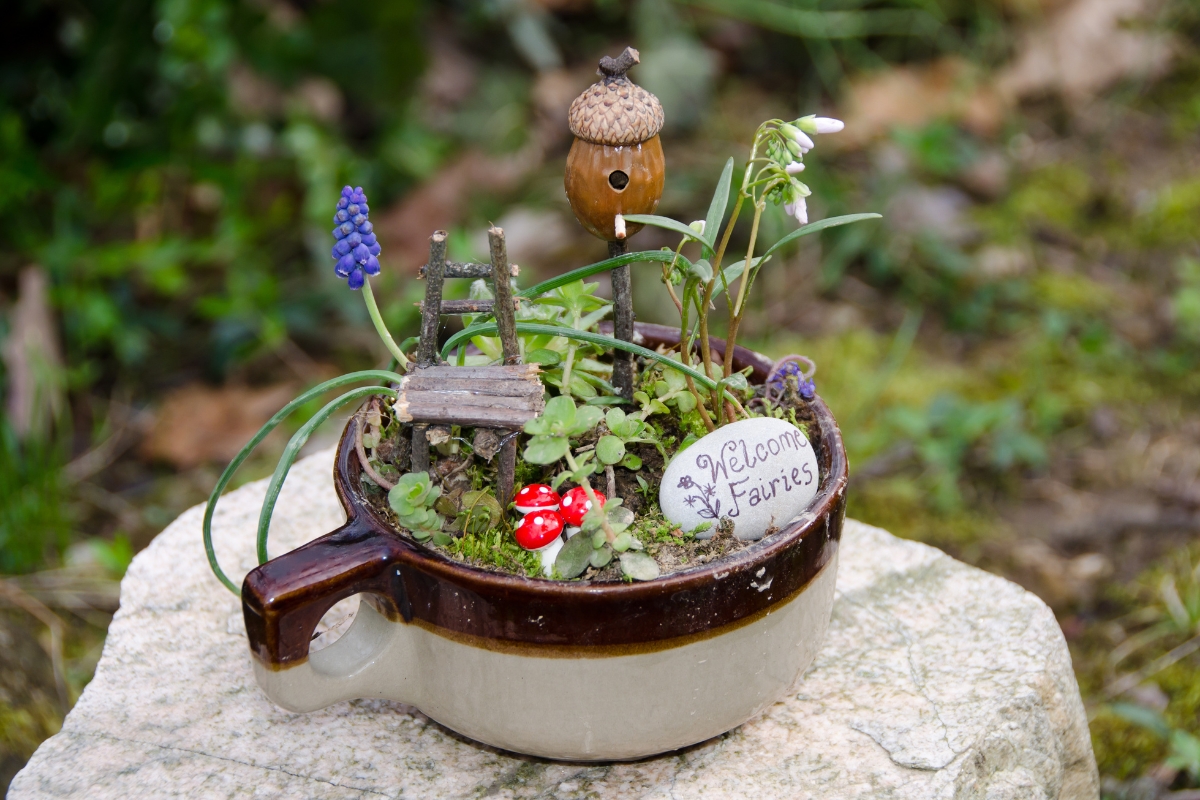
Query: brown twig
{"x":360,"y":428}
{"x":1127,"y":682}
{"x":38,"y":610}
{"x":506,"y":317}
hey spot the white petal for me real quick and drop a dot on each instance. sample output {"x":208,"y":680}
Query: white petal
{"x":794,"y":167}
{"x":806,"y":143}
{"x":801,"y":211}
{"x":828,"y":124}
{"x":789,"y":209}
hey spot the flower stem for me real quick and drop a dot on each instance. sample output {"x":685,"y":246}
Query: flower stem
{"x":609,"y":535}
{"x":739,"y":305}
{"x":380,"y":328}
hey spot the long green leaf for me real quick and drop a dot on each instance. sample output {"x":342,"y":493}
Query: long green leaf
{"x":716,"y":209}
{"x":663,"y":256}
{"x":293,"y":449}
{"x":814,"y":227}
{"x":272,"y":423}
{"x":671,"y":225}
{"x":490,"y":329}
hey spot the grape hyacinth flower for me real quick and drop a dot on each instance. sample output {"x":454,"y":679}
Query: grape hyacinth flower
{"x":357,"y":250}
{"x":788,"y":367}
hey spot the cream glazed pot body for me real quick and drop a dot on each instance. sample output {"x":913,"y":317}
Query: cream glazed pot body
{"x":534,"y":704}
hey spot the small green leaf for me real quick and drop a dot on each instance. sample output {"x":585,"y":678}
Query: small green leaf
{"x":610,"y":449}
{"x":597,"y":539}
{"x":687,"y":442}
{"x":547,"y":358}
{"x":622,"y":542}
{"x":586,"y":418}
{"x":685,"y":402}
{"x":633,"y":462}
{"x":600,"y":557}
{"x":573,"y":559}
{"x":701,"y":270}
{"x":560,"y":412}
{"x":546,"y":449}
{"x":831,"y":222}
{"x":639,"y":566}
{"x":716,"y":208}
{"x":442,"y":539}
{"x":668,"y":223}
{"x":614,"y":419}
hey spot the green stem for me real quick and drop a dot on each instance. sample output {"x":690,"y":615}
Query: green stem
{"x":293,"y":449}
{"x":380,"y":327}
{"x":566,"y":379}
{"x":685,"y":355}
{"x":609,"y":535}
{"x":244,"y":453}
{"x":740,"y":305}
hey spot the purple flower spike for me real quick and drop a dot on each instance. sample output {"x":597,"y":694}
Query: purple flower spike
{"x":357,"y":249}
{"x":808,"y":388}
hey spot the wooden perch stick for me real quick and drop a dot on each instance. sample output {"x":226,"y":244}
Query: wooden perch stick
{"x":427,"y":348}
{"x":457,"y":308}
{"x":459,"y":269}
{"x":622,"y":290}
{"x":506,"y":317}
{"x":506,"y":323}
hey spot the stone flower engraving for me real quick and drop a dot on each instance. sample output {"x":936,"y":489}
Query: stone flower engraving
{"x":711,"y":507}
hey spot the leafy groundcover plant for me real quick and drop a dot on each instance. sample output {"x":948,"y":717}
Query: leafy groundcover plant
{"x":605,"y":453}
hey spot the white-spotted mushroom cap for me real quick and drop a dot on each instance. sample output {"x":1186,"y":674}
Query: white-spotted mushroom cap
{"x":615,"y":110}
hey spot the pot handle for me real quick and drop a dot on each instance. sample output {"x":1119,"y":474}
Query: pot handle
{"x":285,"y":598}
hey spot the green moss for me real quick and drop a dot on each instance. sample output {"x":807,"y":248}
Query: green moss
{"x":496,"y":549}
{"x":23,"y":728}
{"x":1123,"y":749}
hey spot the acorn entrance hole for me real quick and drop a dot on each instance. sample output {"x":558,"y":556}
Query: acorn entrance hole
{"x":618,"y":180}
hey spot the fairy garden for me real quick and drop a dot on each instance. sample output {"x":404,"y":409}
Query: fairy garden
{"x":552,"y":437}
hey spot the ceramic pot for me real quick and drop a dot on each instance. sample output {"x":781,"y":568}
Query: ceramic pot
{"x":565,"y":670}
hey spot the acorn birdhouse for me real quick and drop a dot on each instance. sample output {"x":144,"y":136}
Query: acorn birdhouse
{"x":616,"y":163}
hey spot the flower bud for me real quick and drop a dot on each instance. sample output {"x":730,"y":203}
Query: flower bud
{"x":361,"y":254}
{"x":356,"y":279}
{"x":345,"y":265}
{"x":814,"y":124}
{"x":698,"y":226}
{"x":794,"y":167}
{"x":799,"y":136}
{"x":371,"y":267}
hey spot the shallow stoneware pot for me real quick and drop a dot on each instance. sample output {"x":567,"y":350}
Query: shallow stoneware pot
{"x":566,"y":670}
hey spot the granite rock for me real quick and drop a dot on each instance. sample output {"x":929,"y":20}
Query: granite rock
{"x":757,"y":473}
{"x":937,"y":681}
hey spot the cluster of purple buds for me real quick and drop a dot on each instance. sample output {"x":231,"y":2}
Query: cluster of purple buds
{"x":804,"y":383}
{"x":357,"y":250}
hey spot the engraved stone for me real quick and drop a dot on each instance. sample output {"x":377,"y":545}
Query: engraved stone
{"x":757,"y":473}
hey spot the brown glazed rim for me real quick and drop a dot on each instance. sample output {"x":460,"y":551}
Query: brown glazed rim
{"x":285,"y":598}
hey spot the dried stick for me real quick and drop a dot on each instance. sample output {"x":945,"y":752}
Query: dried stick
{"x":506,"y":318}
{"x":360,"y":424}
{"x":506,"y":324}
{"x":622,"y":290}
{"x":427,"y":349}
{"x":431,"y":309}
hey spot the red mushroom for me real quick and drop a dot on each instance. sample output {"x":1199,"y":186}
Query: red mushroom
{"x":575,"y":505}
{"x":536,"y":497}
{"x":539,"y":529}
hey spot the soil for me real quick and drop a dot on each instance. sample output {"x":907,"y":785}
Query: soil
{"x":457,"y":470}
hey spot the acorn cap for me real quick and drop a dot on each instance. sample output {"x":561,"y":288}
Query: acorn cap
{"x":615,"y":110}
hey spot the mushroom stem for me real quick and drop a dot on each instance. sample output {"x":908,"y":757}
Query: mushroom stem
{"x":622,"y":290}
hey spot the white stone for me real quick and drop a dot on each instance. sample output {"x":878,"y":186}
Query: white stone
{"x":937,"y":681}
{"x":758,"y":473}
